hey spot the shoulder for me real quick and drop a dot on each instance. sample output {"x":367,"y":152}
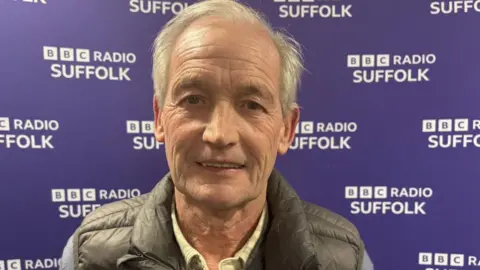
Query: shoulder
{"x":336,"y":239}
{"x":327,"y":222}
{"x":104,"y":234}
{"x":115,"y":214}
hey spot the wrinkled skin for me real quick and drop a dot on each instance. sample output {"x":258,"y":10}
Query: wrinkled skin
{"x":223,"y":104}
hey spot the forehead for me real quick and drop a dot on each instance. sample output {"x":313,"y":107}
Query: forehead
{"x":234,"y":45}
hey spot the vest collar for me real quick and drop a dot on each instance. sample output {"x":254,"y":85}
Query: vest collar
{"x":287,"y":242}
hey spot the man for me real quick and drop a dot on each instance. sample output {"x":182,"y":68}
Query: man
{"x":224,"y":106}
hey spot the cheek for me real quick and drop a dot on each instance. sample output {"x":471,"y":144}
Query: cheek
{"x":180,"y":132}
{"x":171,"y":133}
{"x":270,"y":131}
{"x":171,"y":120}
{"x":174,"y":140}
{"x":265,"y":139}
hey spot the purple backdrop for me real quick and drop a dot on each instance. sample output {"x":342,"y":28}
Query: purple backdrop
{"x":389,"y":133}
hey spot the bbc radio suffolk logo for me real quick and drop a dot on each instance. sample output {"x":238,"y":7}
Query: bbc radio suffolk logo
{"x":26,"y":264}
{"x":452,"y":132}
{"x":42,"y":2}
{"x":27,"y":133}
{"x":143,"y":135}
{"x":386,"y":68}
{"x":323,"y":135}
{"x":454,"y":7}
{"x":384,"y":200}
{"x":157,"y":7}
{"x":86,"y":64}
{"x":313,"y":9}
{"x":447,"y":261}
{"x":78,"y":202}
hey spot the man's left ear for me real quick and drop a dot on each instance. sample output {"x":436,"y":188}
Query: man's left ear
{"x":157,"y":112}
{"x":287,"y":135}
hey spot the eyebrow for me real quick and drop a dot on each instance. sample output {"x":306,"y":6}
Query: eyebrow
{"x":255,"y":89}
{"x":191,"y":81}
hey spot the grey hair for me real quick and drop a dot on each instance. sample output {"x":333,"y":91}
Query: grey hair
{"x":288,"y":48}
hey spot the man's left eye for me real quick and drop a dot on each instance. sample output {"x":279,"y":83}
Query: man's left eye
{"x":254,"y":105}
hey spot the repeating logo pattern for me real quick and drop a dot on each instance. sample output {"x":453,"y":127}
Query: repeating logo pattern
{"x":27,"y":133}
{"x":452,"y":133}
{"x":448,"y":261}
{"x":383,"y":200}
{"x":386,"y":68}
{"x":78,"y":202}
{"x":454,"y":7}
{"x":313,"y":9}
{"x":324,"y":135}
{"x":78,"y":63}
{"x":157,"y":7}
{"x":144,"y":138}
{"x":410,"y":79}
{"x":21,"y":264}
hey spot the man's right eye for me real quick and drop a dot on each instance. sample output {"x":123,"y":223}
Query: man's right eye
{"x":193,"y":100}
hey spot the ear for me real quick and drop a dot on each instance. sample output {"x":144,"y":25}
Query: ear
{"x":287,"y":135}
{"x":159,"y":130}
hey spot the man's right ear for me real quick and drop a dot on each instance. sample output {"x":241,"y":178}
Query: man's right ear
{"x":159,"y":130}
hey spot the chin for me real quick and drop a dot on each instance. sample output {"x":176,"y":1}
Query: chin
{"x":219,"y":198}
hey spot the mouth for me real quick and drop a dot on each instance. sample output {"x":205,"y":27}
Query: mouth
{"x":221,"y":165}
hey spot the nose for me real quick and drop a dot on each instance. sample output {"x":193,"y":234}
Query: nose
{"x":221,"y":129}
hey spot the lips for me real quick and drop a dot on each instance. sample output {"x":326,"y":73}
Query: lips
{"x":221,"y":165}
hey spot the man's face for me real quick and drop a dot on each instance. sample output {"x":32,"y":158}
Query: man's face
{"x":222,"y":121}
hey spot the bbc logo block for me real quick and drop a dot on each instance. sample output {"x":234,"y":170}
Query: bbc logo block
{"x":368,"y":60}
{"x":444,"y":125}
{"x":136,"y":127}
{"x":305,"y":127}
{"x":441,"y":259}
{"x":4,"y":124}
{"x":11,"y":264}
{"x":66,"y":54}
{"x":365,"y":192}
{"x":35,"y":1}
{"x":74,"y":195}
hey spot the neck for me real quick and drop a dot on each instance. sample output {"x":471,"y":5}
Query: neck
{"x":217,"y":234}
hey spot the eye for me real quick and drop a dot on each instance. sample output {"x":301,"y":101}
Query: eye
{"x":252,"y":105}
{"x":193,"y":100}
